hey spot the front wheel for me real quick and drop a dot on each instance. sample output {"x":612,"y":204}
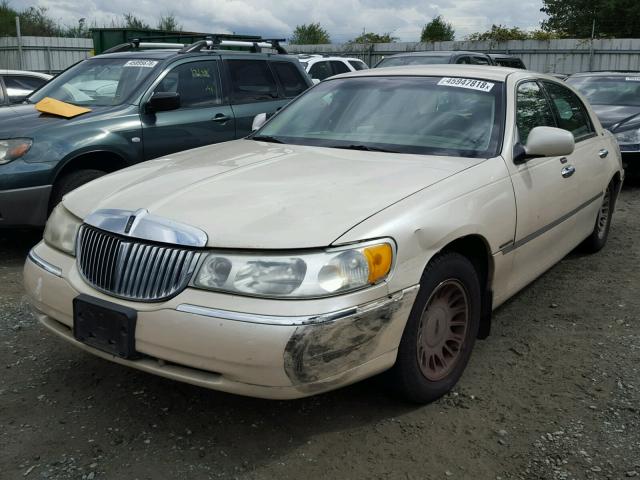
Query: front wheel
{"x":598,"y":237}
{"x":70,"y":182}
{"x":439,"y":336}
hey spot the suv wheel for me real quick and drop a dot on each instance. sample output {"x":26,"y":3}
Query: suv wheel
{"x":71,"y":181}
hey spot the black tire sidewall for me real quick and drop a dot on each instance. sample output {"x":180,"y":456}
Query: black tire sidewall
{"x":594,"y":243}
{"x":413,"y":384}
{"x":71,"y":181}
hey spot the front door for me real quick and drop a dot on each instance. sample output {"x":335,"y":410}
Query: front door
{"x":546,"y":196}
{"x":204,"y":116}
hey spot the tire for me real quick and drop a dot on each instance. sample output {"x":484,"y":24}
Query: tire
{"x":420,"y":374}
{"x":598,"y":237}
{"x":70,"y":182}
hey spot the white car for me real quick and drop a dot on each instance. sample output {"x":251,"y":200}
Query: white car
{"x":320,"y":67}
{"x":374,"y":223}
{"x":16,"y":85}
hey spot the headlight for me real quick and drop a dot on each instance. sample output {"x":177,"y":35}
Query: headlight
{"x":314,"y":274}
{"x":629,"y":138}
{"x":61,"y":230}
{"x":13,"y":148}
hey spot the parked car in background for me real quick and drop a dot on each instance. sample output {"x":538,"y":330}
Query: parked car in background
{"x":373,"y":224}
{"x":16,"y":85}
{"x":138,"y":104}
{"x":320,"y":67}
{"x":434,"y":57}
{"x":559,"y":76}
{"x":615,"y":97}
{"x":504,"y":60}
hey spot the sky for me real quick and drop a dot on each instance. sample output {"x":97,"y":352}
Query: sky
{"x":343,"y":19}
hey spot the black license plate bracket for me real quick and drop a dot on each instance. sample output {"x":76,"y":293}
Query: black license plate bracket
{"x":107,"y":326}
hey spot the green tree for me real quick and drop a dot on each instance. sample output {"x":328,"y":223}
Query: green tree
{"x":437,"y":30}
{"x":311,"y":34}
{"x":169,"y":23}
{"x":500,"y":33}
{"x":574,"y":18}
{"x":370,"y":37}
{"x":131,"y":21}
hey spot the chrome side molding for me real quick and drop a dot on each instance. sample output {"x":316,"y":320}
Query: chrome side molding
{"x":52,"y":269}
{"x":145,"y":226}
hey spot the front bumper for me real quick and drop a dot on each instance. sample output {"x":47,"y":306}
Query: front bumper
{"x":279,"y":356}
{"x":24,"y":206}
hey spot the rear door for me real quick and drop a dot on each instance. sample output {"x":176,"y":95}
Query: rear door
{"x":204,"y":116}
{"x":253,"y":89}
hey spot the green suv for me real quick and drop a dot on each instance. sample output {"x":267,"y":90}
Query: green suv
{"x":143,"y":104}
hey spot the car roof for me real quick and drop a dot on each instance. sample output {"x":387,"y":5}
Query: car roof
{"x":502,"y":55}
{"x":305,"y":56}
{"x":435,"y":53}
{"x":25,"y":72}
{"x":487,"y":72}
{"x":607,"y":73}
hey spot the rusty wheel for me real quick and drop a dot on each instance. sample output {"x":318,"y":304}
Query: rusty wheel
{"x":443,"y":329}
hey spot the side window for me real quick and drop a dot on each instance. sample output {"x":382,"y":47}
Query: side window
{"x":571,"y":113}
{"x":251,"y":81}
{"x":532,"y":110}
{"x":464,"y":60}
{"x":320,"y":70}
{"x":19,"y":86}
{"x":198,"y":84}
{"x":480,"y":60}
{"x":358,"y":65}
{"x":290,"y":78}
{"x":339,"y":67}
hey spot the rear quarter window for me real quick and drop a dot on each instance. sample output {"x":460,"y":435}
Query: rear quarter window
{"x":251,"y":81}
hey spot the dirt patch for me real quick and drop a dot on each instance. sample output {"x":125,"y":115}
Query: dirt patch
{"x":553,"y":393}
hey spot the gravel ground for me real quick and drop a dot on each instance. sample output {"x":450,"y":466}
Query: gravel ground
{"x":554,"y":393}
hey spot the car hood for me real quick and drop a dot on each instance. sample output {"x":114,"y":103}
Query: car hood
{"x":613,"y":116}
{"x":249,"y":194}
{"x":23,"y":120}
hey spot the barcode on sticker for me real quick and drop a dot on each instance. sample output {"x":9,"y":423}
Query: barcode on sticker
{"x":480,"y":85}
{"x":632,"y":79}
{"x":141,"y":63}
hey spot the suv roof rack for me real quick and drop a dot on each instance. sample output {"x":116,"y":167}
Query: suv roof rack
{"x":136,"y":44}
{"x":255,"y":44}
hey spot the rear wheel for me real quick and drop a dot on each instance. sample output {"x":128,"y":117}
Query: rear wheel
{"x":598,"y":238}
{"x":71,"y":181}
{"x":439,"y":336}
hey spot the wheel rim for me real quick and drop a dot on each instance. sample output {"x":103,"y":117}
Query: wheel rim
{"x":443,"y":328}
{"x":603,"y":215}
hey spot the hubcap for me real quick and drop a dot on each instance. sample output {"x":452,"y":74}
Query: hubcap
{"x":603,"y":214}
{"x":442,"y":330}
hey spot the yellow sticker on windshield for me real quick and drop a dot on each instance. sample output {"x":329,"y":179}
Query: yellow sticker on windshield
{"x":62,"y":109}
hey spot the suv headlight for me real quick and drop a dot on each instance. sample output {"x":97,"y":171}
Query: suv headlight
{"x":62,"y":229}
{"x":629,"y":138}
{"x":298,"y":275}
{"x":13,"y":148}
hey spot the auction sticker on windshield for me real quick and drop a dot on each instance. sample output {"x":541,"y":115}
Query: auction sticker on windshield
{"x":632,"y":79}
{"x":469,"y":83}
{"x":141,"y":63}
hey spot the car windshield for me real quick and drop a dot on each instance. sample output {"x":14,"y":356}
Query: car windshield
{"x":422,"y":115}
{"x":613,"y":90}
{"x":99,"y":81}
{"x":414,"y":60}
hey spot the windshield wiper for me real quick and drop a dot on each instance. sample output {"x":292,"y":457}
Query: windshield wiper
{"x":365,"y":148}
{"x":266,"y":138}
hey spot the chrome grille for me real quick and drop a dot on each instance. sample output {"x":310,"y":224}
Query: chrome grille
{"x":131,"y":268}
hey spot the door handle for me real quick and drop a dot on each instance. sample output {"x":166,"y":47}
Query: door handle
{"x":603,"y":153}
{"x":220,"y":118}
{"x":568,"y":171}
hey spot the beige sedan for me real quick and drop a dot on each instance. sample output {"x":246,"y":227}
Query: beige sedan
{"x":372,"y":224}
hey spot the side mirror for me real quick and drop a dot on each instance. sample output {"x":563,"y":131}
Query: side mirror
{"x":315,"y":81}
{"x":545,"y":142}
{"x":162,"y":102}
{"x":258,"y":121}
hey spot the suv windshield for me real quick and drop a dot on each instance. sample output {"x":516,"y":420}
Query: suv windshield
{"x":613,"y":90}
{"x":99,"y":81}
{"x":423,"y":115}
{"x":414,"y":60}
